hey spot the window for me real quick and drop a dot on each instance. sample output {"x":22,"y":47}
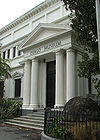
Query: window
{"x":14,"y":52}
{"x":17,"y":87}
{"x":19,"y":53}
{"x":4,"y":53}
{"x":1,"y":88}
{"x":8,"y":56}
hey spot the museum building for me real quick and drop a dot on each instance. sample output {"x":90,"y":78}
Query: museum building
{"x":43,"y":56}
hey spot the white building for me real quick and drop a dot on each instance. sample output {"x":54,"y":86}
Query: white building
{"x":43,"y":56}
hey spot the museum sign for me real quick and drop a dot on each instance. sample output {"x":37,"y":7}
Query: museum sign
{"x":48,"y":47}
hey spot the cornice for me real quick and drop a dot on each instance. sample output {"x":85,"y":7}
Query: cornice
{"x":17,"y":40}
{"x":44,"y":5}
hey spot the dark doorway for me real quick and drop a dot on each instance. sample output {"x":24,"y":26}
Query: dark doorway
{"x":50,"y":87}
{"x":1,"y":89}
{"x":17,"y":87}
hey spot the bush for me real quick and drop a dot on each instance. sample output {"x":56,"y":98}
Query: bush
{"x":9,"y":109}
{"x":55,"y":129}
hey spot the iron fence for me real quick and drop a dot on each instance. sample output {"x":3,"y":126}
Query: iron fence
{"x":68,"y":125}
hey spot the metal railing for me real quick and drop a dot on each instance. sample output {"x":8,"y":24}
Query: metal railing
{"x":63,"y":125}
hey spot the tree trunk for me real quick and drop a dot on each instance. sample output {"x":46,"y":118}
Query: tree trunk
{"x":89,"y":85}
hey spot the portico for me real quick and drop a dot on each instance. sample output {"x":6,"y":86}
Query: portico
{"x":55,"y":50}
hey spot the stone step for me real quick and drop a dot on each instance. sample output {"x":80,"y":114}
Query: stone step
{"x":41,"y":121}
{"x":27,"y":123}
{"x":26,"y":126}
{"x":33,"y":118}
{"x":35,"y":121}
{"x":34,"y":112}
{"x":36,"y":115}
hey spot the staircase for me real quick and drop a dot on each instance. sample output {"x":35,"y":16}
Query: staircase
{"x":33,"y":121}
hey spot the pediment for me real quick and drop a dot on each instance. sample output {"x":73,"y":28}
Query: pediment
{"x":41,"y":32}
{"x":17,"y":74}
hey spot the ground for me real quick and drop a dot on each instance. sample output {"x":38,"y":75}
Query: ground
{"x":8,"y":132}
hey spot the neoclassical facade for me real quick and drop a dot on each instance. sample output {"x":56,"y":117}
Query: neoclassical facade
{"x":43,"y":55}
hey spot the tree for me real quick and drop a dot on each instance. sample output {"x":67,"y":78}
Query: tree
{"x":4,"y":73}
{"x":87,"y":68}
{"x":83,"y":19}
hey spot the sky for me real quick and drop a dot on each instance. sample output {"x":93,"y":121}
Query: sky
{"x":12,"y":9}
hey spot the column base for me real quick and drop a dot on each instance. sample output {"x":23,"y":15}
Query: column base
{"x":34,"y":106}
{"x":25,"y":106}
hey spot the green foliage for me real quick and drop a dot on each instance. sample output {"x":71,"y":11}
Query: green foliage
{"x":9,"y":109}
{"x":88,"y":66}
{"x":97,"y":85}
{"x":83,"y":19}
{"x":4,"y":68}
{"x":4,"y":73}
{"x":56,"y":130}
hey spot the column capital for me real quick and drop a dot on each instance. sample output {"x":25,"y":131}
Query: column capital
{"x":59,"y":52}
{"x":70,"y":50}
{"x":34,"y":60}
{"x":25,"y":61}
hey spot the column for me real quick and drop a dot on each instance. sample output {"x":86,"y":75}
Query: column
{"x":16,"y":55}
{"x":34,"y":84}
{"x":12,"y":88}
{"x":27,"y":83}
{"x":6,"y":54}
{"x":71,"y":68}
{"x":44,"y":84}
{"x":59,"y":101}
{"x":11,"y":53}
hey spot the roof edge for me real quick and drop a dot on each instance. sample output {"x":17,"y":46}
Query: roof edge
{"x":42,"y":6}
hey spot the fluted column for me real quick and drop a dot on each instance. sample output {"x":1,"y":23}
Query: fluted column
{"x":27,"y":83}
{"x":59,"y":101}
{"x":70,"y":59}
{"x":34,"y":84}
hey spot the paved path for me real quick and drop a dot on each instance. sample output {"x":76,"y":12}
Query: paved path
{"x":8,"y":132}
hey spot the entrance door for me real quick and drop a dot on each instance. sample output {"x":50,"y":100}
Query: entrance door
{"x":50,"y":87}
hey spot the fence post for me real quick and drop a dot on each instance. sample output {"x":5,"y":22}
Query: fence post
{"x":86,"y":120}
{"x":45,"y":120}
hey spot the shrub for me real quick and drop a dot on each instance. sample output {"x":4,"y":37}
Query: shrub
{"x":55,"y":129}
{"x":9,"y":109}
